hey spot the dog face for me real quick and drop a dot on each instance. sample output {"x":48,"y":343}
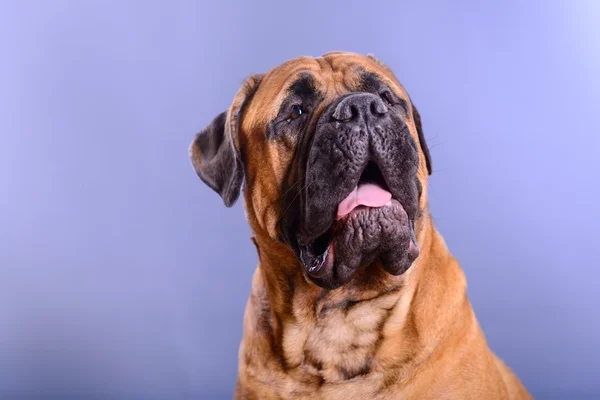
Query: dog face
{"x":333,"y":161}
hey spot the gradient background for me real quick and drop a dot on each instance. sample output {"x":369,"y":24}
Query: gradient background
{"x":123,"y":277}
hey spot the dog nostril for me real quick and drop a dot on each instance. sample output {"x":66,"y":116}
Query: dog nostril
{"x":345,"y":113}
{"x":359,"y":106}
{"x":378,"y":108}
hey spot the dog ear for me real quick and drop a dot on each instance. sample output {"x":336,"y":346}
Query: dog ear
{"x":422,"y":142}
{"x":215,"y":160}
{"x":214,"y":153}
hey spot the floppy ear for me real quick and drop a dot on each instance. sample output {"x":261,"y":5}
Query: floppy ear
{"x":213,"y":152}
{"x":216,"y":162}
{"x":419,"y":126}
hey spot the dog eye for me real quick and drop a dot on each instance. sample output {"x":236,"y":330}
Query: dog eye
{"x":297,"y":111}
{"x":387,"y":97}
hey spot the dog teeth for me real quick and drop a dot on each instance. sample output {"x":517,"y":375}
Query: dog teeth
{"x":319,"y":261}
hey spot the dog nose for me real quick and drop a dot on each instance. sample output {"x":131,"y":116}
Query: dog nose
{"x":360,"y":106}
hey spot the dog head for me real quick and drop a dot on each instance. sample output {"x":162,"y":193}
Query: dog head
{"x":331,"y":155}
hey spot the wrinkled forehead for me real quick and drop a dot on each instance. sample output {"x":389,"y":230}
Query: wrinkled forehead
{"x":332,"y":75}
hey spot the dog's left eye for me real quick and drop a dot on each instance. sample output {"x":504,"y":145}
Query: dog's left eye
{"x":297,"y":111}
{"x":388,"y":98}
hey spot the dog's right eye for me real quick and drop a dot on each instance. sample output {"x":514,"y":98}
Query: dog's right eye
{"x":297,"y":111}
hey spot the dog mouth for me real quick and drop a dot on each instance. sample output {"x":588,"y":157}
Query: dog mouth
{"x":363,"y":220}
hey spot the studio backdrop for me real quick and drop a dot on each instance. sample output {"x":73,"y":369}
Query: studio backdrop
{"x":122,"y":276}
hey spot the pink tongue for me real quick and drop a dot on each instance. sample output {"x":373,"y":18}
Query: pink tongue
{"x":367,"y":194}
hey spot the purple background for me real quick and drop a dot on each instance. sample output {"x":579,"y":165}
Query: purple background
{"x":122,"y":276}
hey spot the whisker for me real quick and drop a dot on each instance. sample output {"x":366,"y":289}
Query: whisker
{"x":290,"y":188}
{"x":292,"y":201}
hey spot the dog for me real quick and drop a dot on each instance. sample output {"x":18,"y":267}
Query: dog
{"x":356,"y":295}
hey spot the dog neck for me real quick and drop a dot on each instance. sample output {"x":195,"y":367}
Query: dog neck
{"x":373,"y":323}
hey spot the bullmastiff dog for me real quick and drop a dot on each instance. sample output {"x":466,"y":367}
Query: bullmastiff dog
{"x":356,"y":295}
